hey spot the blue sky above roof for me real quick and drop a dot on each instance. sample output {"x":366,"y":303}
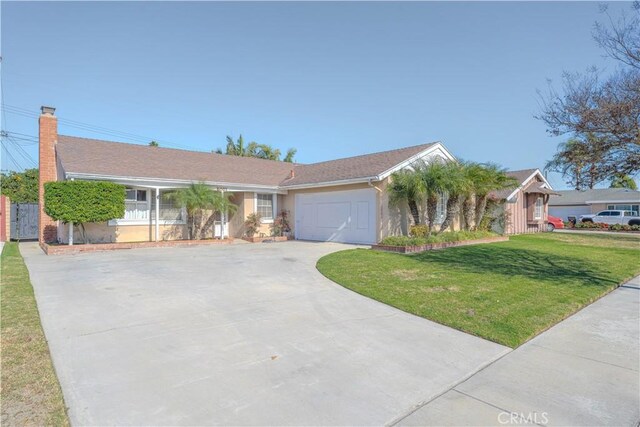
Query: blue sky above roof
{"x":331,"y":79}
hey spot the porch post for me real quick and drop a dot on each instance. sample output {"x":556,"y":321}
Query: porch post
{"x":71,"y":230}
{"x":157,"y":214}
{"x":223,"y":218}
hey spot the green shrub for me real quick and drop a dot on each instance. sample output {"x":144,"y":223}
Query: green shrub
{"x":418,"y":231}
{"x":252,"y":224}
{"x":448,"y":236}
{"x":84,"y":201}
{"x":624,"y":227}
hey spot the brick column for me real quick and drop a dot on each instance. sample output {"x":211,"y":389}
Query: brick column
{"x":48,"y":228}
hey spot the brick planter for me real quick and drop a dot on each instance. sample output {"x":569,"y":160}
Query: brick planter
{"x":436,"y":246}
{"x":96,"y":247}
{"x":266,"y":239}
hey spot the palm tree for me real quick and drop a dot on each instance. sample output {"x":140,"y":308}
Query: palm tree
{"x":488,"y":177}
{"x":456,"y":187}
{"x":197,"y":198}
{"x":291,"y":152}
{"x":407,"y":187}
{"x":434,"y":178}
{"x":219,"y":203}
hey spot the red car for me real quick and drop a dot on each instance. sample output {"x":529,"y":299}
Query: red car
{"x":554,"y":222}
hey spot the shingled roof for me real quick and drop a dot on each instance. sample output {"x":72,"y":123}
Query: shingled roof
{"x":117,"y":159}
{"x":97,"y":157}
{"x":520,"y":176}
{"x":364,"y":166}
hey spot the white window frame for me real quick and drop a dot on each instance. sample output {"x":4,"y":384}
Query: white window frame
{"x":538,"y":210}
{"x":150,"y":221}
{"x":274,"y":205}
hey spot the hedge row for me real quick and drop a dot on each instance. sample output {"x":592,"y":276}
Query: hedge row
{"x":84,"y":201}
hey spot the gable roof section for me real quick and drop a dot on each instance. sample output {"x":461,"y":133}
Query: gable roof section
{"x":522,"y":177}
{"x":597,"y":195}
{"x":85,"y":157}
{"x":353,"y":168}
{"x":117,"y":159}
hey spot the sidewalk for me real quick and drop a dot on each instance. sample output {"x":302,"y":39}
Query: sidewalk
{"x":583,"y":371}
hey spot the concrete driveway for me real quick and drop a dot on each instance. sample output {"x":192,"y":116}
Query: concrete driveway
{"x":246,"y":334}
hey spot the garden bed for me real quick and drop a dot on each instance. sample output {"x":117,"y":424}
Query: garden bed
{"x":267,"y":239}
{"x":435,"y":246}
{"x":55,"y":249}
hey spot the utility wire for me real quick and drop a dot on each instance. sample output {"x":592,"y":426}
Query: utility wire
{"x":94,"y":128}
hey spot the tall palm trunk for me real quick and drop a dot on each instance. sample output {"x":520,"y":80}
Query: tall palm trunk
{"x":481,"y":207}
{"x":453,"y":207}
{"x":432,"y":210}
{"x":467,"y":212}
{"x":207,"y":225}
{"x":415,"y":214}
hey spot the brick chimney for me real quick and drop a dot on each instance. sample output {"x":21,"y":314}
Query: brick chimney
{"x":48,"y":134}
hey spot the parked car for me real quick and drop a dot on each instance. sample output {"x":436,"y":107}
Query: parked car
{"x":613,"y":217}
{"x":554,"y":222}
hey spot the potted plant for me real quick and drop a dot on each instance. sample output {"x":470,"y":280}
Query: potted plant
{"x":281,"y":226}
{"x":252,"y":224}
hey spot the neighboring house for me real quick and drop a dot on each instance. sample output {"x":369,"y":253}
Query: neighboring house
{"x":525,"y":208}
{"x":581,"y":202}
{"x":341,"y":200}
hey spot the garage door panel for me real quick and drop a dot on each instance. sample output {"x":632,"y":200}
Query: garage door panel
{"x":333,"y":215}
{"x":362,"y":215}
{"x":564,"y":212}
{"x":339,"y":216}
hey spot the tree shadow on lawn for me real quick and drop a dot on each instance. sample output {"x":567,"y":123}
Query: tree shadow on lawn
{"x":528,"y":263}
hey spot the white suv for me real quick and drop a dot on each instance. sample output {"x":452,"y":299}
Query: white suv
{"x":613,"y":217}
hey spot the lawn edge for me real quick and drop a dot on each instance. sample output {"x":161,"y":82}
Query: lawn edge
{"x":58,"y":388}
{"x":569,"y":314}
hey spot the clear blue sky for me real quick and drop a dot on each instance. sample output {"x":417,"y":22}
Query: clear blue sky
{"x":331,"y":79}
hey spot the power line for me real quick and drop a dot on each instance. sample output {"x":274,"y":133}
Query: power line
{"x":93,"y":128}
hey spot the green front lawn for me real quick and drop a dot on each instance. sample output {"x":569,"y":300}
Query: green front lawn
{"x":30,"y":393}
{"x":505,"y":292}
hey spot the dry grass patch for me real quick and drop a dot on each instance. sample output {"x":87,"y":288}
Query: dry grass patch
{"x":30,"y":393}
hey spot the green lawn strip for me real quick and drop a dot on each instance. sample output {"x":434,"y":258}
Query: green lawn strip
{"x":30,"y":393}
{"x":505,"y":292}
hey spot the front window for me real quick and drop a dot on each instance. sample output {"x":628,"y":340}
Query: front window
{"x":537,"y":214}
{"x":136,"y":204}
{"x":264,"y":206}
{"x":604,"y":213}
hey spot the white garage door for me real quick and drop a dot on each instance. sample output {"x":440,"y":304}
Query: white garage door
{"x":565,"y":211}
{"x":337,"y":216}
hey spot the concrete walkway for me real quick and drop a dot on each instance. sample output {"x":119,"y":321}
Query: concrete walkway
{"x":583,"y":371}
{"x":246,"y":334}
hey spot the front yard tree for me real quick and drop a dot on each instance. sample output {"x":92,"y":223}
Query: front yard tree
{"x":80,"y":202}
{"x":434,"y":178}
{"x":198,"y":198}
{"x":20,"y":187}
{"x":407,"y":189}
{"x":456,"y":187}
{"x":607,"y":108}
{"x":219,"y":203}
{"x":488,"y":177}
